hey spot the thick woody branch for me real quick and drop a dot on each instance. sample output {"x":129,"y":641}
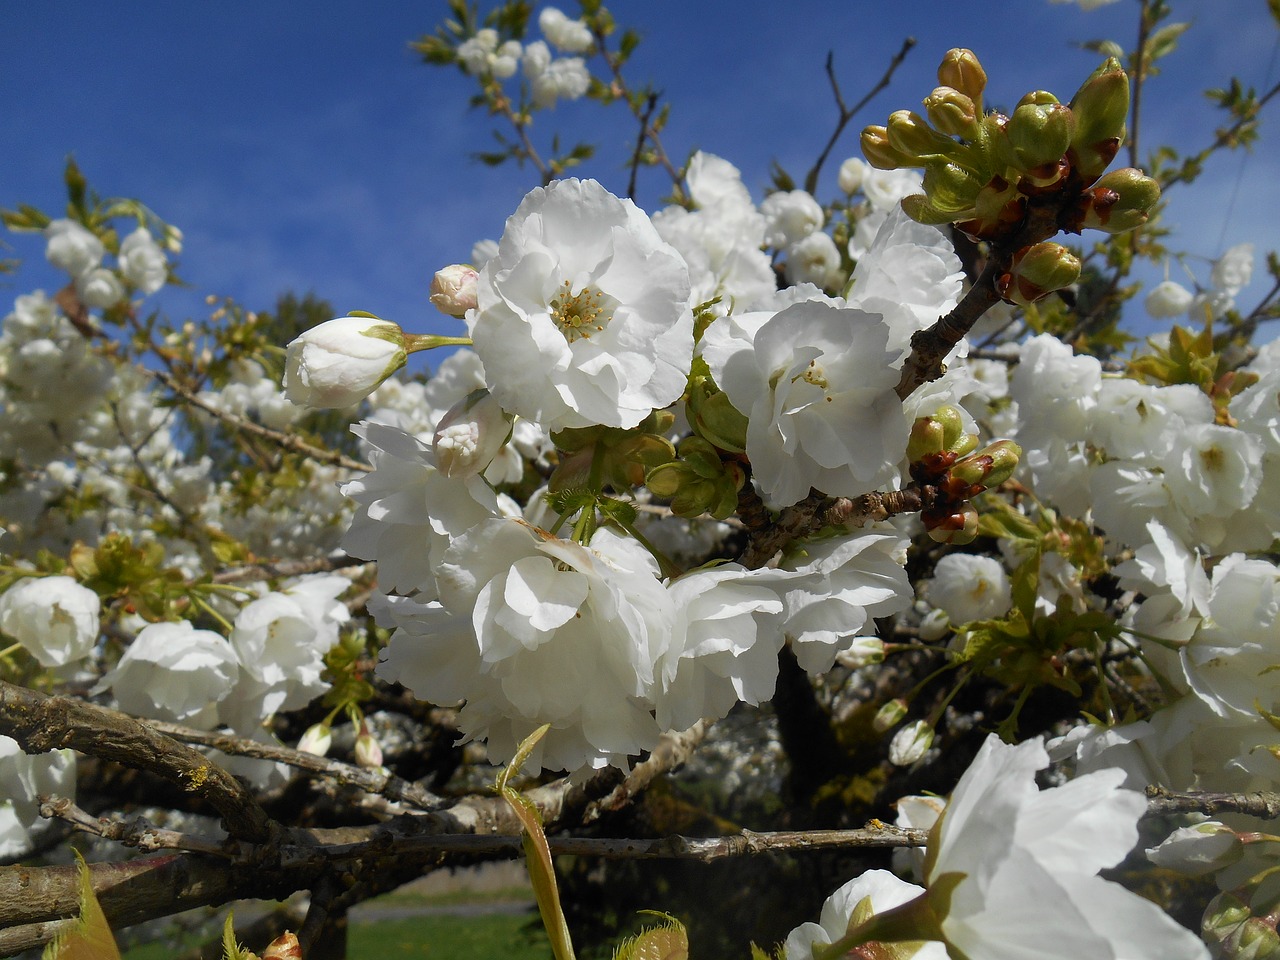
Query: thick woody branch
{"x":41,"y":723}
{"x":1264,"y":803}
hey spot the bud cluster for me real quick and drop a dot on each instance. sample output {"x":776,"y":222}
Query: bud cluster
{"x":950,"y":470}
{"x":984,"y":170}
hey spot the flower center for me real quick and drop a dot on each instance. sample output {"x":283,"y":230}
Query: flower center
{"x":579,"y":315}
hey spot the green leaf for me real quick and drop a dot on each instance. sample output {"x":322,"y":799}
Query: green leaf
{"x":536,"y":850}
{"x":231,"y":948}
{"x":1165,"y":40}
{"x":89,"y":936}
{"x":666,"y":942}
{"x":998,"y":518}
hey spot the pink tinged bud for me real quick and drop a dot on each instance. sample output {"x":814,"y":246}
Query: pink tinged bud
{"x":910,"y":744}
{"x":470,"y":435}
{"x":284,"y":947}
{"x":453,"y":289}
{"x":961,"y":69}
{"x":317,"y":739}
{"x":889,"y":715}
{"x":340,"y":362}
{"x":1036,"y":271}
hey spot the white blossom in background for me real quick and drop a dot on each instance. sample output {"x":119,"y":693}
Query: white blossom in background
{"x":1233,"y":270}
{"x":817,"y":386}
{"x":54,"y":618}
{"x":1010,"y":848}
{"x":72,"y":247}
{"x":1168,"y":299}
{"x":852,"y":172}
{"x":856,"y":901}
{"x":172,"y":671}
{"x":142,"y":261}
{"x":99,"y":289}
{"x":23,"y":777}
{"x":721,"y":238}
{"x":969,"y":587}
{"x":481,"y":54}
{"x":567,"y":36}
{"x":583,"y":318}
{"x":790,"y":216}
{"x":815,"y":259}
{"x":552,"y":79}
{"x":281,"y":639}
{"x":339,"y":362}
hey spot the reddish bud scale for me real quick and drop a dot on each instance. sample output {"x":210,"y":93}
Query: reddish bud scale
{"x":932,"y":467}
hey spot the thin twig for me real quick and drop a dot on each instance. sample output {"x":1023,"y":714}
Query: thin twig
{"x":847,"y":114}
{"x":135,"y":832}
{"x":1162,"y":802}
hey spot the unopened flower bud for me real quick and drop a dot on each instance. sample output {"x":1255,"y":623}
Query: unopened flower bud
{"x":1120,"y":201}
{"x":342,"y":361}
{"x":880,"y":153}
{"x":910,"y":744}
{"x":989,"y":467}
{"x":961,"y":69}
{"x":998,"y":210}
{"x":368,"y":752}
{"x":889,"y":715}
{"x":910,"y":134}
{"x":1101,"y":107}
{"x":317,"y":739}
{"x":716,"y":419}
{"x":1233,"y":931}
{"x":1036,"y":137}
{"x":469,"y":436}
{"x":864,"y":652}
{"x":1199,"y":849}
{"x":925,"y":438}
{"x":1036,"y":271}
{"x":956,"y":528}
{"x":952,"y":112}
{"x":951,"y":187}
{"x":453,"y":289}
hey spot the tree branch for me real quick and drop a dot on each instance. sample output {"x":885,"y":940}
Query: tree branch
{"x":41,"y":723}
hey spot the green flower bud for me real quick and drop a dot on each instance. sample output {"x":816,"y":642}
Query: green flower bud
{"x":1036,"y":137}
{"x":664,"y":481}
{"x":1233,"y":931}
{"x":714,"y":418}
{"x":1101,"y":107}
{"x":1037,"y":271}
{"x":910,"y":134}
{"x":889,"y":715}
{"x":964,"y":444}
{"x":960,"y":69}
{"x":879,"y":153}
{"x":952,"y":112}
{"x":952,"y":425}
{"x":989,"y":467}
{"x":925,"y":438}
{"x":1120,"y":201}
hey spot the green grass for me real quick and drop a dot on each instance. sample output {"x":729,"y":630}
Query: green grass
{"x":448,"y":938}
{"x":445,"y":937}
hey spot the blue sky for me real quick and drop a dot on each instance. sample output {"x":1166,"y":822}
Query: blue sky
{"x":303,"y":146}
